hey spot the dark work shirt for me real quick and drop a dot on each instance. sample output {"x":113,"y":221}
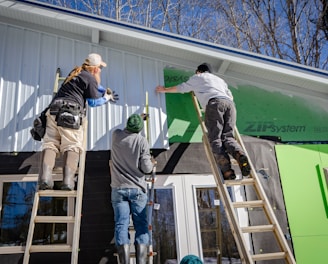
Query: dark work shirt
{"x":79,"y":89}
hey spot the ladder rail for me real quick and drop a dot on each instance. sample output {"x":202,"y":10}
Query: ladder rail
{"x":31,"y":229}
{"x":73,"y":218}
{"x":223,"y":192}
{"x":232,"y":219}
{"x":57,"y":79}
{"x":267,"y":208}
{"x":263,"y":202}
{"x":150,"y":216}
{"x":56,"y":83}
{"x":151,"y":192}
{"x":78,"y":203}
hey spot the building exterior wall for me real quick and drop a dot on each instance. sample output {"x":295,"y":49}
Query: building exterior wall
{"x":303,"y":170}
{"x":27,"y":69}
{"x":29,"y":61}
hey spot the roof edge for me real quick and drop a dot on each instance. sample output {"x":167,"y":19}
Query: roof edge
{"x":188,"y":40}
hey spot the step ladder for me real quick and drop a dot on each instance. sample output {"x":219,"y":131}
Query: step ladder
{"x":261,"y":203}
{"x":74,"y":201}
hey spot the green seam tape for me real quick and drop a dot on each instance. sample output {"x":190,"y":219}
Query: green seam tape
{"x":323,"y":182}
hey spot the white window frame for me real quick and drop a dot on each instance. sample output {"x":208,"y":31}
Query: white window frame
{"x":18,"y":178}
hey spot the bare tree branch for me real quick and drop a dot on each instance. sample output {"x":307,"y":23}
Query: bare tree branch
{"x":294,"y":30}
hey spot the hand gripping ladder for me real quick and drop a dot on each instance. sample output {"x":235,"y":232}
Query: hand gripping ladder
{"x":262,"y":202}
{"x":73,"y":218}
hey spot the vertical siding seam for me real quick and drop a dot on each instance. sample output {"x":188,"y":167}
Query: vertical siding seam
{"x":48,"y":50}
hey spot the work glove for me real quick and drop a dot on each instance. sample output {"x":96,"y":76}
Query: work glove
{"x":111,"y":95}
{"x":144,"y":116}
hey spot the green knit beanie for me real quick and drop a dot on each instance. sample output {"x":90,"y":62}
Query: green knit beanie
{"x":135,"y":123}
{"x":191,"y":259}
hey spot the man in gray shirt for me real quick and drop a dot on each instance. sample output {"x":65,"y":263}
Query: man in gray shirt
{"x":215,"y":97}
{"x":130,"y":161}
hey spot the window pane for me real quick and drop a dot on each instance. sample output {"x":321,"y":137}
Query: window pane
{"x":164,"y":238}
{"x":17,"y":203}
{"x":217,"y":239}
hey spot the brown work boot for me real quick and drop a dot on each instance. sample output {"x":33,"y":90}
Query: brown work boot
{"x":71,"y":161}
{"x":229,"y":175}
{"x":45,"y":180}
{"x":243,"y":164}
{"x":223,"y":161}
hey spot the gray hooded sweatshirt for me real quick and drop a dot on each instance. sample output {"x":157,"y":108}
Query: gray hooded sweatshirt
{"x":131,"y":160}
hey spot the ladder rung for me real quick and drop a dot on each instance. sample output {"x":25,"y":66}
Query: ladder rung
{"x":74,"y":200}
{"x":230,"y":206}
{"x":54,"y":219}
{"x":133,"y":254}
{"x":51,"y":248}
{"x":57,"y":193}
{"x":257,"y":229}
{"x":246,"y":181}
{"x":269,"y":256}
{"x":58,"y":170}
{"x":248,"y":204}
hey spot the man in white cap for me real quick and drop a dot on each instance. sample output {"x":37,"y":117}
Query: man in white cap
{"x":67,"y":110}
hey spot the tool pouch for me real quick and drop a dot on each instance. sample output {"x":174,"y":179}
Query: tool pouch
{"x":68,"y":119}
{"x":67,"y":114}
{"x":39,"y":126}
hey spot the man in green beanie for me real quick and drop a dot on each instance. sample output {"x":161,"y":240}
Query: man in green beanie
{"x":130,"y":161}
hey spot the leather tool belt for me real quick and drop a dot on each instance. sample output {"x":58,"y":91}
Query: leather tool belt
{"x":68,"y":114}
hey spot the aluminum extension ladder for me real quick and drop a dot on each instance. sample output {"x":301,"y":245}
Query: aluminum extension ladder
{"x":73,"y":218}
{"x":262,"y":202}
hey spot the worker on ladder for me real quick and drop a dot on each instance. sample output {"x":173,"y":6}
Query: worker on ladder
{"x":215,"y":97}
{"x":130,"y":161}
{"x":65,"y":115}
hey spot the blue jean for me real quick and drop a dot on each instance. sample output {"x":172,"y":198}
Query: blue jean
{"x":126,"y":201}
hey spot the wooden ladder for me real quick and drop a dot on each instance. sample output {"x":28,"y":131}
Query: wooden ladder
{"x":73,"y":218}
{"x":230,"y":206}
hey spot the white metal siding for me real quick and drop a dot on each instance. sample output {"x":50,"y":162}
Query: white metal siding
{"x":37,"y":39}
{"x":28,"y":65}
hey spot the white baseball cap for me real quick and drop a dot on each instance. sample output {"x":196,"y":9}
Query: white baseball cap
{"x":94,"y":59}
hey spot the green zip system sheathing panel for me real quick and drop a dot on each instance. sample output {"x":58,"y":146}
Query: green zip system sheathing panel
{"x":305,"y":192}
{"x":260,"y":112}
